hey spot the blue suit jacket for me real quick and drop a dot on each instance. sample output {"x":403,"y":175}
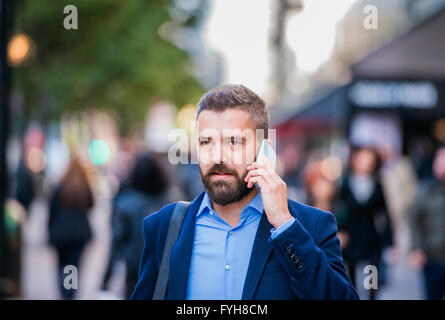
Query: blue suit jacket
{"x":303,"y":262}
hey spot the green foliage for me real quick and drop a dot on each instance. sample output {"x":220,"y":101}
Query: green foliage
{"x":115,"y":60}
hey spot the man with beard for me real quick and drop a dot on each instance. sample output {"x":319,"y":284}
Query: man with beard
{"x":238,"y":242}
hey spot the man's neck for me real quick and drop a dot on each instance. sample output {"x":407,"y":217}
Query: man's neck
{"x":231,"y":212}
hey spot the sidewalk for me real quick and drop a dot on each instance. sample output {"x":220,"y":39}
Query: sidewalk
{"x":39,"y":260}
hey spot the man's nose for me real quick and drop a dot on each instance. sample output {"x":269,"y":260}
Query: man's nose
{"x":220,"y":155}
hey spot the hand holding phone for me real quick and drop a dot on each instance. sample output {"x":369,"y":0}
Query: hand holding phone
{"x":264,"y":177}
{"x":266,"y":149}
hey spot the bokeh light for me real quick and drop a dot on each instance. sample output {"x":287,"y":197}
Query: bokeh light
{"x":19,"y":48}
{"x":331,"y":168}
{"x":36,"y":160}
{"x":99,"y":152}
{"x":439,"y":130}
{"x":185,"y":116}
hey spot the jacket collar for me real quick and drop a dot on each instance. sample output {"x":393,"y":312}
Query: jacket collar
{"x":260,"y":253}
{"x":256,"y":203}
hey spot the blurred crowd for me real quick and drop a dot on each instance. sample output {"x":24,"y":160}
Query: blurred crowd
{"x":376,"y":198}
{"x":87,"y":156}
{"x":379,"y":197}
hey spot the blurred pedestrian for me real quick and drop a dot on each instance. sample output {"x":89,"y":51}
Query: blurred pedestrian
{"x":399,"y":183}
{"x":292,"y":159}
{"x":322,"y":193}
{"x":428,"y":231}
{"x":69,"y":229}
{"x":26,"y":187}
{"x":145,"y":192}
{"x":320,"y":190}
{"x":364,"y":204}
{"x":189,"y":180}
{"x":25,"y":191}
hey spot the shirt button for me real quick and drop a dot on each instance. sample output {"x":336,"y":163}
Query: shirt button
{"x":211,"y":213}
{"x":230,"y":232}
{"x":227,"y":266}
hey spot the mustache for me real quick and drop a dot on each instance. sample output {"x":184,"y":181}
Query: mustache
{"x":221,"y":168}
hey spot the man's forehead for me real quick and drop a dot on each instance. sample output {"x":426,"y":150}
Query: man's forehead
{"x":244,"y":134}
{"x":229,"y":119}
{"x":212,"y":134}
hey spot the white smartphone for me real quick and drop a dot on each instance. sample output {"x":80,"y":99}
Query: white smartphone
{"x":267,"y":150}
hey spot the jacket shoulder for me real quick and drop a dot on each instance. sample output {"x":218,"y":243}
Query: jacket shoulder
{"x":158,"y":220}
{"x":313,"y":219}
{"x":306,"y":211}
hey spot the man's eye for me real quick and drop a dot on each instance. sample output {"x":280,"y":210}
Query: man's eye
{"x":204,"y":143}
{"x":235,"y":141}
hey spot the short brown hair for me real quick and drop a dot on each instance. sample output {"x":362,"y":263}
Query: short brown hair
{"x":236,"y":96}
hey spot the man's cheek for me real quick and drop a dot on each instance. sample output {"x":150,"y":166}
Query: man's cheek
{"x":238,"y":158}
{"x":242,"y":156}
{"x":249,"y":155}
{"x":204,"y":158}
{"x":204,"y":169}
{"x":244,"y":175}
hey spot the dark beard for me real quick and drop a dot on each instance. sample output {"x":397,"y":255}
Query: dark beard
{"x":222,"y":192}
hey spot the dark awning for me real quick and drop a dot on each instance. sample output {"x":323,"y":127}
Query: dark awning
{"x":326,"y":110}
{"x":418,"y":54}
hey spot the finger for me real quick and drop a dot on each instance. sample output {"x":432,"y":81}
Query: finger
{"x":254,"y":165}
{"x":258,"y":165}
{"x":276,"y":177}
{"x":271,"y":169}
{"x":258,"y":180}
{"x":258,"y":172}
{"x":268,"y":168}
{"x":269,"y":174}
{"x":269,"y":165}
{"x":267,"y":162}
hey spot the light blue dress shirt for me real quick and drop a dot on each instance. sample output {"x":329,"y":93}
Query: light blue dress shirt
{"x":221,"y":254}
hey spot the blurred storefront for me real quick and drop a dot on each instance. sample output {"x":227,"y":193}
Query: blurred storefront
{"x":395,"y":99}
{"x":405,"y":80}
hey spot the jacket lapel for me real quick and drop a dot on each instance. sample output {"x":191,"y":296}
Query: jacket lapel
{"x":181,"y":254}
{"x":260,"y":253}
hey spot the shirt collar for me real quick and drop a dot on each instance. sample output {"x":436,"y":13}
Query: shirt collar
{"x":256,"y":203}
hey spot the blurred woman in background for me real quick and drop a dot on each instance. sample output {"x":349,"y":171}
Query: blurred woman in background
{"x":322,"y":193}
{"x":427,"y":224}
{"x":69,"y":229}
{"x":367,"y":222}
{"x":144,"y":192}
